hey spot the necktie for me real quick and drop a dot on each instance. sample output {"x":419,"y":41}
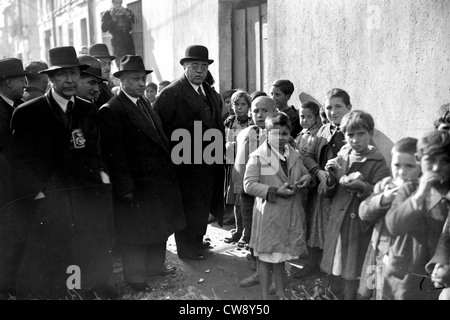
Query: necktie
{"x":200,"y":92}
{"x":69,"y":110}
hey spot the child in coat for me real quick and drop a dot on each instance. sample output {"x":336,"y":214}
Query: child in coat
{"x":274,"y":175}
{"x":240,"y":102}
{"x":404,"y":168}
{"x":420,"y":212}
{"x":311,"y":123}
{"x":352,"y":175}
{"x":329,"y":140}
{"x":248,"y":141}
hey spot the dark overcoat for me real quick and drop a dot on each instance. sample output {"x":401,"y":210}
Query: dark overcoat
{"x":6,"y":112}
{"x":72,"y":225}
{"x":137,"y":154}
{"x":179,"y":107}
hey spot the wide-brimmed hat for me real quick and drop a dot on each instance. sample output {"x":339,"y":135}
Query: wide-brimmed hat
{"x":63,"y":58}
{"x":196,"y":52}
{"x":95,"y":66}
{"x":100,"y":51}
{"x":12,"y":68}
{"x":131,"y":63}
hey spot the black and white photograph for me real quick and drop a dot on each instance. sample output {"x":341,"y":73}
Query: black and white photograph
{"x":224,"y":154}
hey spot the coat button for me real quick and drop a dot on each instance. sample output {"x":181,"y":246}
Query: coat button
{"x":353,"y":216}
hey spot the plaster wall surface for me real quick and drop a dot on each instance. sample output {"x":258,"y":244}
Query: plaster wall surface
{"x":391,"y":56}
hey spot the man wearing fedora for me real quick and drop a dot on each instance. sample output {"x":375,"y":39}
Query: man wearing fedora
{"x":186,"y":101}
{"x":12,"y":86}
{"x":90,"y":79}
{"x":100,"y":51}
{"x":37,"y":82}
{"x":57,"y":170}
{"x":148,"y":207}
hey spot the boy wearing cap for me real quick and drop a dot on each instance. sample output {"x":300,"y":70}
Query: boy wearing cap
{"x":60,"y":176}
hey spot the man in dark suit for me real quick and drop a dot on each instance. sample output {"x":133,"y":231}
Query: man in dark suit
{"x":12,"y":85}
{"x":100,"y":51}
{"x":57,"y":169}
{"x":118,"y":21}
{"x":183,"y":103}
{"x":148,"y":207}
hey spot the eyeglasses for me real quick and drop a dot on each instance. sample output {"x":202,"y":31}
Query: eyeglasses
{"x":196,"y":67}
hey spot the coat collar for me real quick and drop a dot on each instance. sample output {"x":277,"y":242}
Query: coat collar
{"x":270,"y":158}
{"x":142,"y":121}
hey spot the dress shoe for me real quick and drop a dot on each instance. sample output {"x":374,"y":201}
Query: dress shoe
{"x":139,"y":287}
{"x":206,"y":245}
{"x":164,"y":271}
{"x":251,"y":281}
{"x":197,"y":257}
{"x":243,"y":242}
{"x":234,"y":238}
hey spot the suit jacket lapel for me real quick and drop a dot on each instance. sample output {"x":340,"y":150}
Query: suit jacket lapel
{"x":140,"y":120}
{"x":195,"y":102}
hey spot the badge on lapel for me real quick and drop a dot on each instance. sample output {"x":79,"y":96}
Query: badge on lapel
{"x":78,"y":140}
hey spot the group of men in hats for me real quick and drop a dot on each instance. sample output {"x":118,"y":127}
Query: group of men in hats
{"x":76,"y":195}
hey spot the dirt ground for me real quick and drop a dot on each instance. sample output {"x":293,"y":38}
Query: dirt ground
{"x":218,"y":277}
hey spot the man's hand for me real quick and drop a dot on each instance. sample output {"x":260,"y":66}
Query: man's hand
{"x":105,"y":178}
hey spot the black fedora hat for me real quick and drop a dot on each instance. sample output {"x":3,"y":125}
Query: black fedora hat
{"x":95,"y":66}
{"x":12,"y":68}
{"x":196,"y":52}
{"x":62,"y":58}
{"x":131,"y":63}
{"x":100,"y":51}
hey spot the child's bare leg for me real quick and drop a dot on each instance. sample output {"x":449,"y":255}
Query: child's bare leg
{"x":278,"y":277}
{"x":265,"y":278}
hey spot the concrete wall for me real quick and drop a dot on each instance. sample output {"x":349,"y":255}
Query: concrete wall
{"x":392,"y":56}
{"x":171,"y":26}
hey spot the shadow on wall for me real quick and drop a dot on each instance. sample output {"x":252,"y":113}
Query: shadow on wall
{"x":149,"y":52}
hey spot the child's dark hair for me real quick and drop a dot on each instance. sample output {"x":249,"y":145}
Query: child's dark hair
{"x":152,"y":85}
{"x":286,"y":86}
{"x":357,"y":119}
{"x":258,"y":94}
{"x":443,"y":116}
{"x":314,"y":107}
{"x":406,"y":145}
{"x":433,"y":143}
{"x":241,"y":94}
{"x":278,"y":119}
{"x":339,"y":93}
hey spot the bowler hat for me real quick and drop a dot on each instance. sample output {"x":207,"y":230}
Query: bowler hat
{"x":196,"y":52}
{"x":12,"y":68}
{"x":95,"y":66}
{"x":131,"y":63}
{"x":62,"y":58}
{"x":100,"y":51}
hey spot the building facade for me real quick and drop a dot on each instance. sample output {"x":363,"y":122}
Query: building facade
{"x":392,"y":56}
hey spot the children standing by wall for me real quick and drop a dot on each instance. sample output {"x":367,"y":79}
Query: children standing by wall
{"x":326,"y":145}
{"x":274,"y":174}
{"x":404,"y":168}
{"x":352,"y":175}
{"x":420,"y":211}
